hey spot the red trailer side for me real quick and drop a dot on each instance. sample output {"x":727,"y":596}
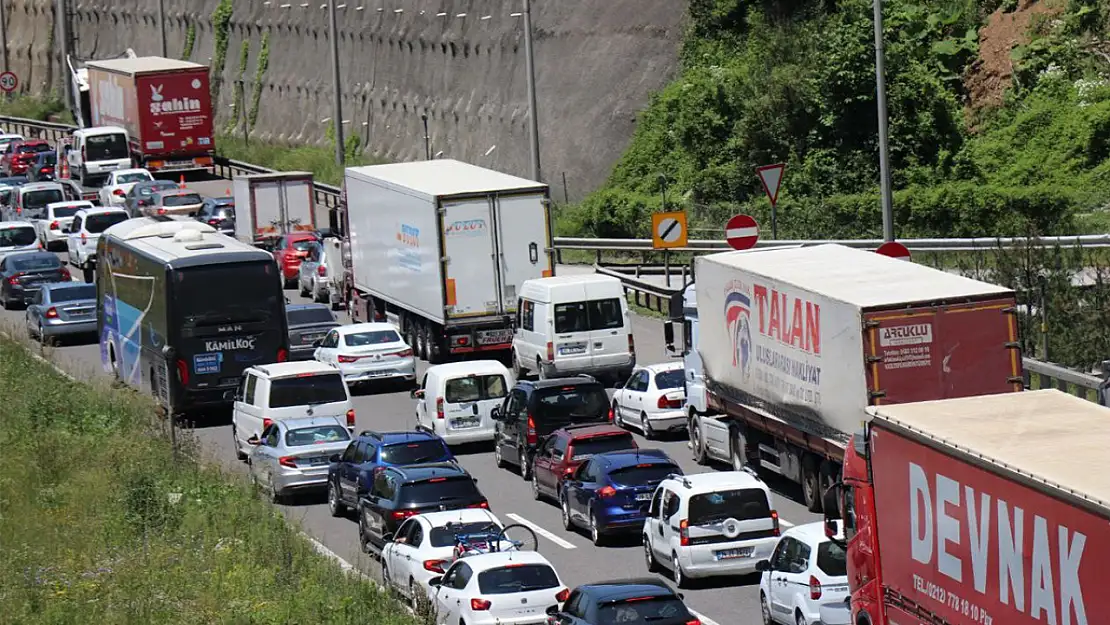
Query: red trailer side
{"x":175,"y":113}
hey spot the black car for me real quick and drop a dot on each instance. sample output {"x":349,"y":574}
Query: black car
{"x":219,"y":212}
{"x":43,"y":168}
{"x":22,"y":274}
{"x":532,"y":410}
{"x":402,"y":492}
{"x":142,"y":195}
{"x":637,"y":601}
{"x":308,"y":323}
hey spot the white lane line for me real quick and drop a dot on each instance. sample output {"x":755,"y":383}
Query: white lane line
{"x":785,"y":523}
{"x":705,"y":620}
{"x":541,"y":531}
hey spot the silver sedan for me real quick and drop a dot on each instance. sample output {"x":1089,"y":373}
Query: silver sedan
{"x":293,"y":455}
{"x":62,"y":309}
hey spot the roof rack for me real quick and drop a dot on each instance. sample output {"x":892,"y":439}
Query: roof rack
{"x":681,"y":478}
{"x":750,"y":471}
{"x":370,"y":433}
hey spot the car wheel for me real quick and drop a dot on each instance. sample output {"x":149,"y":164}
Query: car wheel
{"x":541,"y":373}
{"x":695,"y":444}
{"x":799,"y":619}
{"x":303,"y":291}
{"x":287,"y":283}
{"x":811,"y":487}
{"x":275,"y":494}
{"x":526,"y":468}
{"x":596,"y":537}
{"x":498,"y":459}
{"x":737,"y":453}
{"x":765,"y":610}
{"x":335,"y":506}
{"x":363,"y":539}
{"x":536,"y":494}
{"x":43,"y":338}
{"x":235,"y":441}
{"x":518,"y":371}
{"x":618,"y":420}
{"x":677,"y":574}
{"x":414,"y":603}
{"x":645,"y":426}
{"x":649,"y":556}
{"x":564,"y":508}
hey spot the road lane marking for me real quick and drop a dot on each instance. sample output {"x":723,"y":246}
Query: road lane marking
{"x":705,"y":620}
{"x":541,"y":531}
{"x":785,"y":523}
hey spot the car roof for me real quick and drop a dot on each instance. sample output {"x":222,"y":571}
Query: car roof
{"x":53,"y":286}
{"x":486,"y":561}
{"x":286,"y":369}
{"x":472,"y":367}
{"x":39,"y":186}
{"x":629,"y":458}
{"x":34,"y":141}
{"x":617,"y":590}
{"x":100,"y":210}
{"x":719,"y":480}
{"x":32,"y":254}
{"x":590,"y":430}
{"x":306,"y":422}
{"x":289,"y":307}
{"x":810,"y":533}
{"x":421,"y":472}
{"x":554,"y":382}
{"x":373,"y":326}
{"x":133,"y":170}
{"x":660,"y":367}
{"x":70,"y":203}
{"x":176,"y":191}
{"x":391,"y":438}
{"x":5,"y":225}
{"x":464,"y":515}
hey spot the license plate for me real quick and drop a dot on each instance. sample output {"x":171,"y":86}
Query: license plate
{"x":643,"y":497}
{"x":494,"y":337}
{"x":572,"y":350}
{"x":318,"y":461}
{"x":464,"y":423}
{"x":731,"y":554}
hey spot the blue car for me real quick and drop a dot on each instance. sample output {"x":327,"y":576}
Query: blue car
{"x":610,"y":493}
{"x":350,"y":477}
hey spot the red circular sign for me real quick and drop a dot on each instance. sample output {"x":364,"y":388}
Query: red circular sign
{"x":742,"y":232}
{"x":8,"y":82}
{"x":894,"y":249}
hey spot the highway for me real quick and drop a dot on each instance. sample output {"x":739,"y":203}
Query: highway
{"x":720,"y":601}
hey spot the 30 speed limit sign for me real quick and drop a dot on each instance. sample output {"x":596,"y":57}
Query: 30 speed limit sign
{"x":8,"y":82}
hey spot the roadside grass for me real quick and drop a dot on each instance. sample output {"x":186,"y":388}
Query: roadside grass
{"x":288,"y":157}
{"x":45,"y":108}
{"x":101,"y":522}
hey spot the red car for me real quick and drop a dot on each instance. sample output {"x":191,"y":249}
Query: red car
{"x":560,"y":454}
{"x":20,"y":154}
{"x":289,"y":250}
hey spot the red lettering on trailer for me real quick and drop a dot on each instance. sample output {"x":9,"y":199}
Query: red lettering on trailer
{"x":789,"y":320}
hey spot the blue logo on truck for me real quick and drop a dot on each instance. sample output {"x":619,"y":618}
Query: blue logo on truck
{"x":738,"y":314}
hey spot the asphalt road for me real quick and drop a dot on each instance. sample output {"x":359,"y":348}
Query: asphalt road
{"x":728,"y":601}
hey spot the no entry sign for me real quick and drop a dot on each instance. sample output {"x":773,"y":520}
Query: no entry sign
{"x":894,"y":249}
{"x":742,"y":232}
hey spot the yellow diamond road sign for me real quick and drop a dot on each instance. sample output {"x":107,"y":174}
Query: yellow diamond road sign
{"x":668,"y":230}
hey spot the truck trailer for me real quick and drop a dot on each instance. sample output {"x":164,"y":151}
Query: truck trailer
{"x":163,"y":104}
{"x":270,"y":205}
{"x":787,"y":347}
{"x":990,"y":510}
{"x":441,"y":249}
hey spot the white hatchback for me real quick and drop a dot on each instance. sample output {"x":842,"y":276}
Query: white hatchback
{"x":455,"y":400}
{"x":59,"y":215}
{"x":114,"y":191}
{"x":805,"y":581}
{"x":653,"y":399}
{"x":506,"y":588}
{"x":368,"y":352}
{"x":18,"y":236}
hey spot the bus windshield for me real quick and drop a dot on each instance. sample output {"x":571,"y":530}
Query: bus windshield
{"x":227,"y":293}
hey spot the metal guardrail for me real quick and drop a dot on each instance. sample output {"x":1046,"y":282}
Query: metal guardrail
{"x":918,"y":245}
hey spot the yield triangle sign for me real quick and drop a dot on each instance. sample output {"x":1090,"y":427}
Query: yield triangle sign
{"x":771,"y":177}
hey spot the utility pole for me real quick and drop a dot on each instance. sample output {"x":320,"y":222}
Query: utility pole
{"x":63,"y":36}
{"x":340,"y":147}
{"x":427,"y":138}
{"x":4,"y":30}
{"x":162,"y":27}
{"x":884,"y":145}
{"x":530,"y":65}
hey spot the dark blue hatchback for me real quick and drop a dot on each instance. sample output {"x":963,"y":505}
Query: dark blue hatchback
{"x":352,"y":473}
{"x":610,"y":493}
{"x":644,"y":601}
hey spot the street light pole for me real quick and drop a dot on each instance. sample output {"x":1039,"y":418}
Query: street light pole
{"x":427,"y":139}
{"x":4,"y":31}
{"x":530,"y":67}
{"x":162,"y":27}
{"x":884,"y":146}
{"x":340,"y":148}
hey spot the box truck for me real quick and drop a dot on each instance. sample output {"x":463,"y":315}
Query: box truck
{"x":786,"y":347}
{"x":441,"y":249}
{"x":270,"y":205}
{"x":988,"y":510}
{"x":163,"y":104}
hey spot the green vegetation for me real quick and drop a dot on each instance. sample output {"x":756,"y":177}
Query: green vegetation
{"x":221,"y":26}
{"x":764,"y":82}
{"x":190,"y":42}
{"x":36,"y":107}
{"x":287,"y":157}
{"x":256,"y":88}
{"x":237,"y":112}
{"x":102,"y":522}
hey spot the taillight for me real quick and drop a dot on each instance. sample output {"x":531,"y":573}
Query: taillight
{"x":351,"y":418}
{"x":404,"y":353}
{"x":51,"y":313}
{"x":563,"y":595}
{"x":348,"y":359}
{"x":665,"y":403}
{"x":483,"y":505}
{"x":267,"y":423}
{"x":321,"y":270}
{"x":84,"y":238}
{"x":606,"y":491}
{"x":213,"y":222}
{"x":435,"y":566}
{"x":550,"y":351}
{"x":479,"y":605}
{"x":531,"y":437}
{"x":65,"y":275}
{"x":183,"y":372}
{"x":288,"y":461}
{"x":161,"y":211}
{"x":118,"y":192}
{"x":15,"y":278}
{"x":693,"y":621}
{"x":610,"y":414}
{"x":814,"y":588}
{"x":775,"y":518}
{"x":684,"y":533}
{"x":402,"y":514}
{"x":631,"y":344}
{"x":54,"y":225}
{"x":282,"y":354}
{"x":439,"y":408}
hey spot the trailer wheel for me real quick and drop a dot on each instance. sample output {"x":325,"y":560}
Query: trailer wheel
{"x":738,"y":452}
{"x":695,"y":441}
{"x":811,"y":485}
{"x":435,"y":347}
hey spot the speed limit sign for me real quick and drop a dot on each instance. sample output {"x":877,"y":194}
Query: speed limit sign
{"x":8,"y":82}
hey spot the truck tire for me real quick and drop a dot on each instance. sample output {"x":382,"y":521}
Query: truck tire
{"x":83,"y":176}
{"x":695,"y":442}
{"x":737,"y":449}
{"x":435,"y":347}
{"x":811,"y":485}
{"x":518,"y":371}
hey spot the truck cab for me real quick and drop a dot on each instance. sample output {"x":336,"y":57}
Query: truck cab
{"x":852,"y":502}
{"x":97,"y":152}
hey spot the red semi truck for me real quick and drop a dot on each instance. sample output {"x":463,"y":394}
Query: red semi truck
{"x":989,"y":510}
{"x":164,"y":105}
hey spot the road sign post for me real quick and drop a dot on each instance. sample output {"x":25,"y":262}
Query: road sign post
{"x":742,"y":232}
{"x":771,"y":177}
{"x":668,"y":231}
{"x":8,"y":82}
{"x":894,"y":249}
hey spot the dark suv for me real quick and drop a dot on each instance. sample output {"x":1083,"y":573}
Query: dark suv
{"x":402,"y":492}
{"x":532,"y":410}
{"x":351,"y":475}
{"x":638,"y":600}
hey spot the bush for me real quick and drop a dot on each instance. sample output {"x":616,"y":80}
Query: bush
{"x":287,"y":157}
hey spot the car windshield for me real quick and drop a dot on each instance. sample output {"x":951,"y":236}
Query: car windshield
{"x":445,"y":536}
{"x":107,"y":147}
{"x":73,"y":293}
{"x":5,"y":196}
{"x":36,"y":263}
{"x":151,"y":189}
{"x":303,"y":245}
{"x":321,"y":388}
{"x":34,"y":149}
{"x":301,"y":316}
{"x":642,"y":611}
{"x":601,"y":314}
{"x":517,"y":578}
{"x":374,"y":337}
{"x":742,"y":504}
{"x":49,"y":159}
{"x":585,"y":447}
{"x":474,"y":388}
{"x":69,"y":211}
{"x":133,"y":177}
{"x":42,"y":197}
{"x":578,"y":403}
{"x":413,"y":453}
{"x":831,"y":559}
{"x":316,"y":435}
{"x":185,"y":199}
{"x":441,"y":489}
{"x":674,"y":378}
{"x":644,"y":474}
{"x":98,"y":223}
{"x":18,"y":237}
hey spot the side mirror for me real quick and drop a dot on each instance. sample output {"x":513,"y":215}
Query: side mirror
{"x":254,"y":441}
{"x":66,"y":230}
{"x":317,"y":342}
{"x":831,"y":503}
{"x":417,"y":393}
{"x":495,"y":413}
{"x":231,"y":395}
{"x":435,"y":581}
{"x":763,"y":566}
{"x":553,"y":610}
{"x":668,"y":335}
{"x":387,"y":537}
{"x":333,"y":458}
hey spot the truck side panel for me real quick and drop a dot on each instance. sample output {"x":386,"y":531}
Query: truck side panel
{"x":943,"y":352}
{"x":175,"y":113}
{"x":244,"y":213}
{"x":473,"y":276}
{"x":265,"y":208}
{"x":113,"y":100}
{"x":524,"y":230}
{"x":965,"y":544}
{"x":395,"y":251}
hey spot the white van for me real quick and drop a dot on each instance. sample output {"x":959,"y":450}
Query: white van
{"x":97,"y":152}
{"x":455,"y":400}
{"x":568,"y":325}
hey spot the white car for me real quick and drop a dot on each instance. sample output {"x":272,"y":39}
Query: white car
{"x":806,"y":580}
{"x":84,"y":231}
{"x":8,"y":138}
{"x":507,"y":588}
{"x":114,"y":191}
{"x":52,"y":229}
{"x":18,"y":236}
{"x":368,"y":352}
{"x":653,"y":399}
{"x":455,"y":400}
{"x":424,"y":546}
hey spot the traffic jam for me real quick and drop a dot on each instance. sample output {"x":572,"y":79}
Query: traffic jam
{"x":882,"y":396}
